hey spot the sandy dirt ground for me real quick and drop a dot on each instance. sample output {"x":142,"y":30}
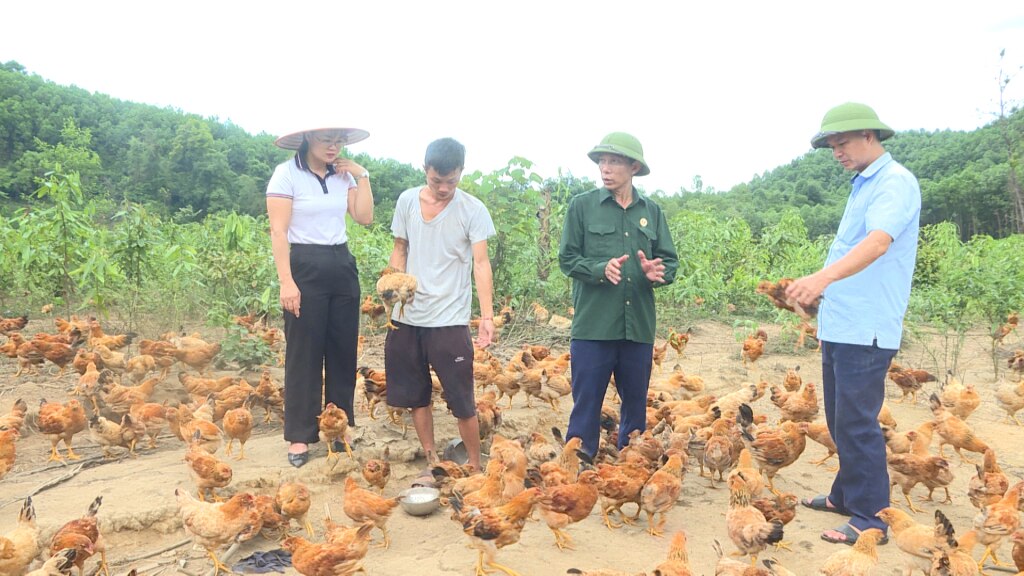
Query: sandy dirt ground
{"x":139,"y":515}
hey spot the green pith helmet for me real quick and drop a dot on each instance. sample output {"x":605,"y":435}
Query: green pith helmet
{"x":847,"y":118}
{"x":624,"y":145}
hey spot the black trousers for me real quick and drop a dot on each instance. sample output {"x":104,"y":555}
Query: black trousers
{"x":320,"y":353}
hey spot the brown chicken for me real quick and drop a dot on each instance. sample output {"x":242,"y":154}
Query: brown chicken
{"x":377,"y":471}
{"x":198,"y":358}
{"x":490,"y":529}
{"x":997,"y":521}
{"x":310,"y":559}
{"x":206,"y":470}
{"x":269,"y":396}
{"x":754,"y":346}
{"x":8,"y":452}
{"x":488,"y":414}
{"x":952,"y":557}
{"x":139,"y":366}
{"x":119,"y":399}
{"x":71,"y":534}
{"x":15,"y":418}
{"x":8,"y":325}
{"x":858,"y":560}
{"x":800,"y":406}
{"x":563,"y":505}
{"x":333,"y":424}
{"x":56,"y":352}
{"x":356,"y":538}
{"x":124,"y":434}
{"x":238,"y":423}
{"x":773,"y":449}
{"x":213,"y":526}
{"x":750,"y":474}
{"x":679,"y":340}
{"x":61,"y":422}
{"x":395,"y":287}
{"x":909,"y":470}
{"x":747,"y":526}
{"x":909,"y":380}
{"x":361,"y":505}
{"x":60,"y":564}
{"x":292,"y":500}
{"x":782,"y":508}
{"x":818,"y":432}
{"x":660,"y":492}
{"x":776,"y":292}
{"x":184,"y":425}
{"x":1004,"y":330}
{"x":718,"y":453}
{"x":22,"y":542}
{"x":10,"y":348}
{"x":113,"y":342}
{"x":273,"y":524}
{"x":619,"y":485}
{"x":153,"y":418}
{"x":917,"y":540}
{"x":1010,"y":398}
{"x":960,"y":399}
{"x":990,"y":484}
{"x":540,"y":314}
{"x":116,"y":361}
{"x":728,"y":567}
{"x":1018,"y":549}
{"x":954,"y":431}
{"x":371,"y":309}
{"x":658,"y":355}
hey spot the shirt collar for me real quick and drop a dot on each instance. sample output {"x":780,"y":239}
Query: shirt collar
{"x":300,"y":162}
{"x":637,"y":196}
{"x":875,"y":166}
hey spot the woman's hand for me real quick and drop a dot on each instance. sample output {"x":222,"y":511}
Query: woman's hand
{"x":291,"y":298}
{"x":346,"y":165}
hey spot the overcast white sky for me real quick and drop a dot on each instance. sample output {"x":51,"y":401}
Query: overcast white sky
{"x":721,"y":89}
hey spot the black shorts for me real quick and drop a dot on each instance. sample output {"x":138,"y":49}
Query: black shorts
{"x":411,"y":351}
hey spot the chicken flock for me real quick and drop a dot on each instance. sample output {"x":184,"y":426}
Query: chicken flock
{"x":740,"y":440}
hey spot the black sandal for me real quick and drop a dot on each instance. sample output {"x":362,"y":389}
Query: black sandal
{"x":298,"y":459}
{"x":820,"y":503}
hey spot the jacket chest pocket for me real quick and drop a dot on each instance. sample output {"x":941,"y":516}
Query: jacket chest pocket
{"x":601,"y":240}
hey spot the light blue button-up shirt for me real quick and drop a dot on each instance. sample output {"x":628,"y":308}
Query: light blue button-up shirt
{"x":869,"y":306}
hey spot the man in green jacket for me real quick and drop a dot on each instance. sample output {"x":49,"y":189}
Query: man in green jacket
{"x":616,"y":247}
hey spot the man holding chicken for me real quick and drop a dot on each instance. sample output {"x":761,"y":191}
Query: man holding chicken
{"x":865,"y":287}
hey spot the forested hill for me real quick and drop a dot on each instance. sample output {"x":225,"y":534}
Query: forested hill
{"x":184,"y":164}
{"x":172,"y":161}
{"x":963,"y":176}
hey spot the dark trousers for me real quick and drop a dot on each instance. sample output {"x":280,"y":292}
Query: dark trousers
{"x":853,"y":385}
{"x":320,"y":353}
{"x":593,"y":363}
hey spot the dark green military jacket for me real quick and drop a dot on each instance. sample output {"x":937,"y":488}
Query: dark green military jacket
{"x":596,"y":230}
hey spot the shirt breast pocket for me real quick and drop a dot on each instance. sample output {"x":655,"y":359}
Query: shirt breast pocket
{"x":647,"y":239}
{"x":601,"y":240}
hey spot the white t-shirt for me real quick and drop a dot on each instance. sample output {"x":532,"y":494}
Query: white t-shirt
{"x":318,"y":206}
{"x":440,"y":257}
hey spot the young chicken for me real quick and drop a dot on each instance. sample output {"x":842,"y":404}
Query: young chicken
{"x":361,"y":505}
{"x":376,"y":471}
{"x":857,"y":560}
{"x":678,"y":561}
{"x":728,"y":567}
{"x":206,"y":470}
{"x":238,"y":426}
{"x":268,"y":396}
{"x":619,"y":485}
{"x":139,"y":366}
{"x":8,"y":452}
{"x":121,"y":435}
{"x":71,"y":536}
{"x":818,"y":432}
{"x":214,"y":525}
{"x":488,"y":414}
{"x":292,"y":500}
{"x":60,"y":564}
{"x":660,"y":493}
{"x":997,"y":521}
{"x":718,"y":454}
{"x":490,"y":529}
{"x":15,"y":418}
{"x":990,"y":484}
{"x":393,"y":287}
{"x":9,"y":325}
{"x":776,"y":292}
{"x":61,"y":422}
{"x":792,"y":380}
{"x":568,"y":504}
{"x":23,"y":542}
{"x":310,"y":559}
{"x":773,"y":449}
{"x":679,"y":340}
{"x":658,"y":355}
{"x":953,"y":558}
{"x":1010,"y":398}
{"x":750,"y":474}
{"x":916,"y":540}
{"x":753,"y":347}
{"x":782,"y":508}
{"x":1018,"y":549}
{"x":909,"y":470}
{"x":119,"y":399}
{"x":152,"y":416}
{"x":748,"y":529}
{"x":954,"y":431}
{"x":334,"y":428}
{"x":800,"y":406}
{"x":198,"y":358}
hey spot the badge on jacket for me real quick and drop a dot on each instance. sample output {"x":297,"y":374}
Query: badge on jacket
{"x":643,"y":221}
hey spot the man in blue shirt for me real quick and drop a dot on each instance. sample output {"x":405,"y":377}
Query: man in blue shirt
{"x":865,"y":287}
